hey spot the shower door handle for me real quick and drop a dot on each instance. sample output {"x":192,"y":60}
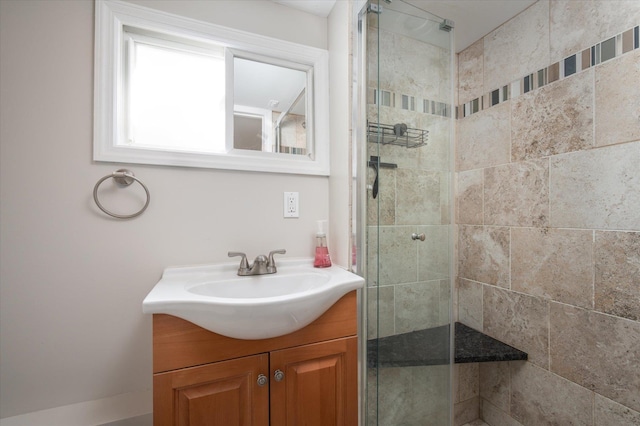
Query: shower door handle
{"x":415,"y":236}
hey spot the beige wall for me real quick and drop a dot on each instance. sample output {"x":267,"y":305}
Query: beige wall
{"x":548,"y":202}
{"x":73,"y":279}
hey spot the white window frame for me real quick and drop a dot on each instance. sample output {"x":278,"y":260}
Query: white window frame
{"x":109,"y":96}
{"x":268,"y":139}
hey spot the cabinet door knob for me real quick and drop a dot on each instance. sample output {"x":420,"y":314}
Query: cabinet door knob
{"x":262,"y":380}
{"x":278,"y":375}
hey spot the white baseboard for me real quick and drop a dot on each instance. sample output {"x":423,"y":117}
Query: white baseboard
{"x":89,"y":413}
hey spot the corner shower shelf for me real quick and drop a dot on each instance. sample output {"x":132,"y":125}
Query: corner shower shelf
{"x":396,"y":134}
{"x":431,"y":347}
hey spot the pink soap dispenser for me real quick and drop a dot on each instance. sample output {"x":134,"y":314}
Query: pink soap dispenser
{"x":322,"y":259}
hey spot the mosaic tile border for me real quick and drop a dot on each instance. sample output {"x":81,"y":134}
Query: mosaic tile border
{"x":390,"y":99}
{"x":606,"y":50}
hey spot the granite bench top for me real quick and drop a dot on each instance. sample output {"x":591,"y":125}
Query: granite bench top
{"x":431,"y":347}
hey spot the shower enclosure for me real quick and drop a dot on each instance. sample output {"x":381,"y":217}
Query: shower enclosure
{"x":403,"y":121}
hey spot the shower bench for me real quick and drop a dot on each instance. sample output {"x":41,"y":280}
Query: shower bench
{"x":431,"y":347}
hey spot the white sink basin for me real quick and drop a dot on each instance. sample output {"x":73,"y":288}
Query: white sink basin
{"x":256,"y":307}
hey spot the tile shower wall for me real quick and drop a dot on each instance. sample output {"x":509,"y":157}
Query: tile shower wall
{"x":412,"y":282}
{"x":548,"y":214}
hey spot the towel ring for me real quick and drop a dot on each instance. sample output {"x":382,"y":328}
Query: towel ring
{"x":123,"y":177}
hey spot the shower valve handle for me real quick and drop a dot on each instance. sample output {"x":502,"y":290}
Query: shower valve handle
{"x":415,"y":236}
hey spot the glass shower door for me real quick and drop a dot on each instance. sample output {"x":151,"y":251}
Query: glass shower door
{"x":409,"y":126}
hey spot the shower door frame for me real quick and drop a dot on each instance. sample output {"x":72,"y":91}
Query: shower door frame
{"x":360,"y":168}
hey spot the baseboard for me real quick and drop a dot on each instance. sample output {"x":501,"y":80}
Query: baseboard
{"x":123,"y":407}
{"x":146,"y":420}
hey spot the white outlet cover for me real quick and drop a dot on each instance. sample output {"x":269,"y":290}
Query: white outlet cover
{"x":291,"y":204}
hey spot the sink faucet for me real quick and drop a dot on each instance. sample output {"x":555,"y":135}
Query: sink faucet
{"x":261,"y":265}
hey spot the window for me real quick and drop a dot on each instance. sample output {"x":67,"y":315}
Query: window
{"x":176,"y":95}
{"x":175,"y":91}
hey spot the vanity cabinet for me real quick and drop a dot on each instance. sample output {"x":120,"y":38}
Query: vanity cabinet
{"x":308,"y":377}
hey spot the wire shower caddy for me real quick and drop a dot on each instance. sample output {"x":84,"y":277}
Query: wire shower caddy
{"x":396,"y":134}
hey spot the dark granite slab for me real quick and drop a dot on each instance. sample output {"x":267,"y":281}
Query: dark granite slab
{"x":431,"y":347}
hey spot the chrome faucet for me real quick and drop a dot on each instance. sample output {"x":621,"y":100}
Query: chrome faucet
{"x":261,"y":265}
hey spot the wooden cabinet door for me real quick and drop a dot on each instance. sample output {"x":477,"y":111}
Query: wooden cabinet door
{"x":319,"y":387}
{"x":224,"y":393}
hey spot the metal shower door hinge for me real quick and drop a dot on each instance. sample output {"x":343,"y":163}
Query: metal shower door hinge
{"x":375,"y":8}
{"x":447,"y":25}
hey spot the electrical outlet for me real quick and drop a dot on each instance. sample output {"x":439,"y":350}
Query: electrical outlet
{"x":291,"y":204}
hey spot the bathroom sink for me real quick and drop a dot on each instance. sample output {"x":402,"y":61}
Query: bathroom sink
{"x":252,"y":307}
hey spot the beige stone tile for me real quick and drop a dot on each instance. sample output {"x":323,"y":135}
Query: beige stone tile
{"x":553,"y":263}
{"x":617,"y":96}
{"x":539,"y":397}
{"x":483,"y":254}
{"x":456,"y":383}
{"x":446,"y":316}
{"x":484,"y":139}
{"x":617,"y":273}
{"x":426,"y":75}
{"x":517,"y":194}
{"x":436,"y":153}
{"x":496,"y":417}
{"x":470,"y":303}
{"x":476,"y":422}
{"x":495,"y":384}
{"x":417,"y":306}
{"x":464,"y":412}
{"x":398,"y":254}
{"x":417,"y":197}
{"x":610,"y":413}
{"x":409,"y":395}
{"x":577,"y":25}
{"x":433,"y":252}
{"x":597,"y":351}
{"x":518,"y":47}
{"x":380,"y":311}
{"x":468,"y":376}
{"x":554,"y":119}
{"x":471,"y":72}
{"x":596,"y":189}
{"x":382,"y":209}
{"x":469,"y":197}
{"x":518,"y":320}
{"x":446,"y":198}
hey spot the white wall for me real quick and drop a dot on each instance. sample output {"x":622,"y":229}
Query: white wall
{"x":340,"y":107}
{"x":72,"y":279}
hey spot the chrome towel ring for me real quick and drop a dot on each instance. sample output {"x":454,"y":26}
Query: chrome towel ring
{"x":123,"y":177}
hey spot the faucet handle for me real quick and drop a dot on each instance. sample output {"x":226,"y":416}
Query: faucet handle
{"x":271,"y":264}
{"x":244,"y":263}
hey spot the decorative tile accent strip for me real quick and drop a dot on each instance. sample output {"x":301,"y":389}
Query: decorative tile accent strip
{"x":409,"y":103}
{"x":608,"y":49}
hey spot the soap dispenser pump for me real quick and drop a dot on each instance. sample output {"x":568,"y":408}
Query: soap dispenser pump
{"x":322,"y":259}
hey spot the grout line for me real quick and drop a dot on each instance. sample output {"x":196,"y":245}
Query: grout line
{"x":510,"y":248}
{"x":593,"y":271}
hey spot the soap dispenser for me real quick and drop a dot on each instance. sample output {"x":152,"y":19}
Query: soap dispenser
{"x":322,"y":259}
